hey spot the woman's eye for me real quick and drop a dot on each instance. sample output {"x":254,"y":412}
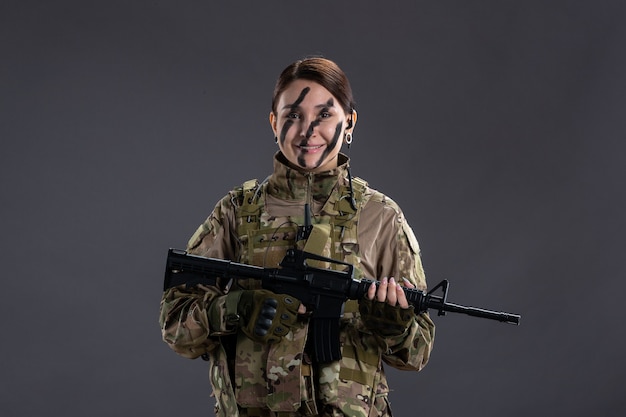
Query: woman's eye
{"x":293,"y":115}
{"x":325,"y":115}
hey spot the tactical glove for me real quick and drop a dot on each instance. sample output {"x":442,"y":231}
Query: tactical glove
{"x":384,"y":319}
{"x":262,"y":315}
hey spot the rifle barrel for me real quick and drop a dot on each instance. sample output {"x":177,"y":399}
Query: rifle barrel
{"x":436,"y":304}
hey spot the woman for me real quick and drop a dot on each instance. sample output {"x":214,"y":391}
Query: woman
{"x":258,"y":342}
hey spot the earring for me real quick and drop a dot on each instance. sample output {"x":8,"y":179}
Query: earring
{"x":348,"y":138}
{"x":276,"y":139}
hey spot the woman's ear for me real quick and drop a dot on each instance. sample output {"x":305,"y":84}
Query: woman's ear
{"x":273,"y":121}
{"x":351,"y":121}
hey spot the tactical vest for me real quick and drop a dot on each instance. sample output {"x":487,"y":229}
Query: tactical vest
{"x":265,"y":239}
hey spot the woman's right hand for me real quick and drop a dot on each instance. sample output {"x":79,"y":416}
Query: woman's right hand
{"x":266,"y":316}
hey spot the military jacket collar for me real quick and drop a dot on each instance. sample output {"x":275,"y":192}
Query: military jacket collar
{"x":288,"y":183}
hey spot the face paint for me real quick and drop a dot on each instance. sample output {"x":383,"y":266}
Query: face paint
{"x":309,"y":133}
{"x":317,"y":121}
{"x":313,"y":146}
{"x":293,"y":106}
{"x":332,"y":145}
{"x":284,"y":130}
{"x":312,"y":126}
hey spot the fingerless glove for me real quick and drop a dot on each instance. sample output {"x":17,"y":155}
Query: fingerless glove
{"x":384,"y":319}
{"x":262,"y":315}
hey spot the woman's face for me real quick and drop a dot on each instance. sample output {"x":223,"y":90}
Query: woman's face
{"x":310,"y":125}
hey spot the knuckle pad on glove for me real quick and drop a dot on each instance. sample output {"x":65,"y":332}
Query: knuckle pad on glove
{"x":270,"y":315}
{"x":264,"y":323}
{"x":268,"y":312}
{"x":260,"y":331}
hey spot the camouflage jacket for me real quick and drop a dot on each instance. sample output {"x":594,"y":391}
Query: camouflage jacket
{"x":256,"y":224}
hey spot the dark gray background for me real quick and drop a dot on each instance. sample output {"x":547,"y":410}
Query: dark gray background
{"x":498,"y":126}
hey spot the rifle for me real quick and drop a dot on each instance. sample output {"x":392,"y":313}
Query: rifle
{"x":323,"y":291}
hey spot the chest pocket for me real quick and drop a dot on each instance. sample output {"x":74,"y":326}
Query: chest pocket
{"x":267,"y":247}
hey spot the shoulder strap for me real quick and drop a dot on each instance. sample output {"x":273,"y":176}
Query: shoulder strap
{"x":249,"y":209}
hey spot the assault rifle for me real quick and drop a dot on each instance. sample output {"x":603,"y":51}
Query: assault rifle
{"x":323,"y":291}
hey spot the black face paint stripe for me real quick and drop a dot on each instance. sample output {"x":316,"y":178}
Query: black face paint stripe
{"x":293,"y":106}
{"x":312,"y":126}
{"x":284,"y":130}
{"x":316,"y":122}
{"x":301,"y":161}
{"x":331,"y":146}
{"x":309,"y":133}
{"x":300,"y":98}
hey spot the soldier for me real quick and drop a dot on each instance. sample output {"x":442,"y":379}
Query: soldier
{"x":255,"y":340}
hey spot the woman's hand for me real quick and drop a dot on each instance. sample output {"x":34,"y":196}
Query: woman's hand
{"x":390,"y":291}
{"x":386,"y":311}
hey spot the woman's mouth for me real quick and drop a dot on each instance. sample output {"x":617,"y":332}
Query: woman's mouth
{"x":310,"y":148}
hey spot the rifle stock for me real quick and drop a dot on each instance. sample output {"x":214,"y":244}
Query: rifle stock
{"x":323,"y":291}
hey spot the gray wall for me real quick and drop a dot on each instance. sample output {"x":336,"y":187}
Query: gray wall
{"x":498,"y":126}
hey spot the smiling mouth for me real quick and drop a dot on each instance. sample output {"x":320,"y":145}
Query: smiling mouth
{"x":310,"y":148}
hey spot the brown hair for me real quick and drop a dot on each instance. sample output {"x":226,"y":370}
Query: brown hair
{"x":322,"y":71}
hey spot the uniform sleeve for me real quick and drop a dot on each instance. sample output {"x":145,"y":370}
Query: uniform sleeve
{"x":398,"y":256}
{"x":183,"y":312}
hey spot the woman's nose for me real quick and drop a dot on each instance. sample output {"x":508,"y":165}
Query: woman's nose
{"x":308,"y":125}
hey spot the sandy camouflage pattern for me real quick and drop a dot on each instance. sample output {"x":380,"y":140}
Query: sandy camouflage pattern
{"x":256,"y":225}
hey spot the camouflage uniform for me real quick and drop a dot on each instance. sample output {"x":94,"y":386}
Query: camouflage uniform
{"x":255,"y":224}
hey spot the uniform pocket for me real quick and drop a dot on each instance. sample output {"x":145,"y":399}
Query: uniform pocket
{"x":267,"y":247}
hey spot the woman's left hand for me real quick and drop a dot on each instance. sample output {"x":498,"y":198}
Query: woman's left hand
{"x":390,"y":291}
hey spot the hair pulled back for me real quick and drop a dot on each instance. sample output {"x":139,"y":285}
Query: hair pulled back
{"x":322,"y":71}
